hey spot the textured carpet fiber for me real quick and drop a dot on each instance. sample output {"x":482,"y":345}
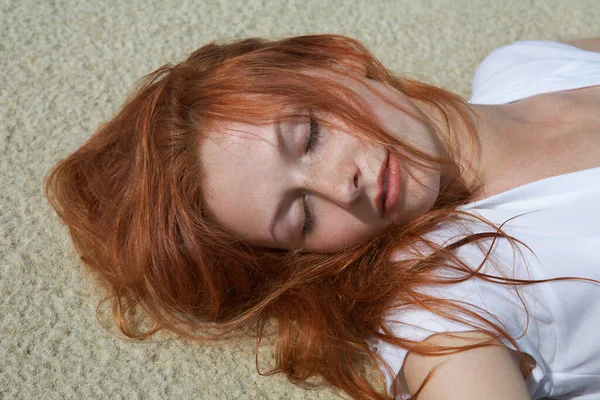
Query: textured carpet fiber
{"x":68,"y":66}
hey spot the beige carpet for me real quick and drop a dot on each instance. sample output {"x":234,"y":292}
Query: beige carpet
{"x":68,"y":65}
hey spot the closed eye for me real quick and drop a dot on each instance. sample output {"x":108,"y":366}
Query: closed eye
{"x":313,"y":134}
{"x":309,"y":222}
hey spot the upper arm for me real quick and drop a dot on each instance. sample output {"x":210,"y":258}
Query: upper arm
{"x":488,"y":372}
{"x":589,"y":44}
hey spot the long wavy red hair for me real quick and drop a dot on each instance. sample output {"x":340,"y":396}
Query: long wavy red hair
{"x":132,"y":199}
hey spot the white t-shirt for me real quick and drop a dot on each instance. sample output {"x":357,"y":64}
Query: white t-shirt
{"x":561,"y":226}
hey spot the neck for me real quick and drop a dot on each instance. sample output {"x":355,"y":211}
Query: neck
{"x":498,"y":140}
{"x":507,"y":135}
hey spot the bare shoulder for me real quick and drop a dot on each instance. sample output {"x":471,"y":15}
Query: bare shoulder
{"x":489,"y":372}
{"x":589,"y":44}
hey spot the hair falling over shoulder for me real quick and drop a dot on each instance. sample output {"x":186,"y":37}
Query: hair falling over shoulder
{"x":131,"y":197}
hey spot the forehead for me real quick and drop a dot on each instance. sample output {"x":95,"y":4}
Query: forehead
{"x":240,"y":164}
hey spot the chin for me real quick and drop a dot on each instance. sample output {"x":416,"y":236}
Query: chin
{"x":420,"y":199}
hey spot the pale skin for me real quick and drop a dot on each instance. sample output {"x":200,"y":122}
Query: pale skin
{"x":249,"y":180}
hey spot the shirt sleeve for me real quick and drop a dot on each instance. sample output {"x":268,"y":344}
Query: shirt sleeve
{"x":529,"y":67}
{"x":417,"y":324}
{"x":499,"y":304}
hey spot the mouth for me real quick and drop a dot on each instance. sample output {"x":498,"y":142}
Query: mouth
{"x":382,"y":185}
{"x":388,"y":182}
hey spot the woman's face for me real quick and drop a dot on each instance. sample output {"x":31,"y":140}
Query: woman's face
{"x":296,"y":184}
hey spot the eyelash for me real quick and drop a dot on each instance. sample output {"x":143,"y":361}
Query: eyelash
{"x":314,"y":133}
{"x":309,"y":221}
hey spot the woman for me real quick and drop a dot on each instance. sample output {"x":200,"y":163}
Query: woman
{"x":300,"y":181}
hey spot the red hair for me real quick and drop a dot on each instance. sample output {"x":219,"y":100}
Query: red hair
{"x":131,"y":197}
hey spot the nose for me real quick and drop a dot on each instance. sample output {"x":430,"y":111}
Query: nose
{"x":338,"y":182}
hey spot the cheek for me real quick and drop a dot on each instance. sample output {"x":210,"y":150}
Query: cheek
{"x":338,"y":228}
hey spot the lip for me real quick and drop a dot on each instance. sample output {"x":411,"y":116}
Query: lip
{"x":381,"y":192}
{"x":393,"y":183}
